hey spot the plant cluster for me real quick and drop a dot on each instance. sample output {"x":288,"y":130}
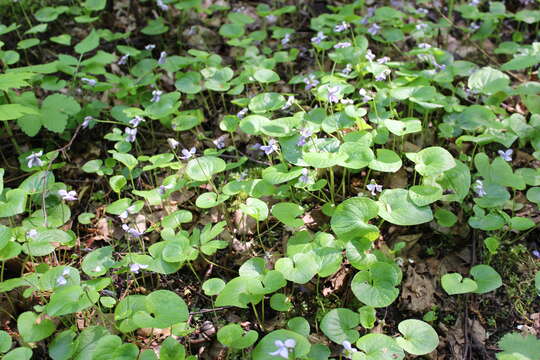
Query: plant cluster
{"x":246,"y":161}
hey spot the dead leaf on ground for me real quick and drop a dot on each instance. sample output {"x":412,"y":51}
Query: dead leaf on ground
{"x":336,"y":282}
{"x":418,"y":292}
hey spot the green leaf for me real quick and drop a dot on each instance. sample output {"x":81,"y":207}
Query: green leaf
{"x":422,"y":195}
{"x":127,"y":159}
{"x":386,"y":161}
{"x":15,"y":203}
{"x":300,"y":269}
{"x":213,"y":286}
{"x":15,"y":111}
{"x":95,"y":5}
{"x":231,"y":31}
{"x":21,"y":353}
{"x":5,"y":342}
{"x":97,"y":262}
{"x":55,"y":111}
{"x":203,"y":168}
{"x":267,"y":345}
{"x":155,"y":315}
{"x":171,"y":349}
{"x":488,"y":81}
{"x":287,"y":213}
{"x":396,"y":207}
{"x":379,"y":347}
{"x":445,"y":218}
{"x":376,"y":287}
{"x":233,"y":336}
{"x":255,"y":208}
{"x":88,"y":44}
{"x":31,"y":329}
{"x":454,"y":283}
{"x":340,"y":324}
{"x":486,"y":278}
{"x":265,"y":76}
{"x":519,"y":347}
{"x":266,"y":102}
{"x":350,"y":218}
{"x":432,"y":161}
{"x":419,"y":338}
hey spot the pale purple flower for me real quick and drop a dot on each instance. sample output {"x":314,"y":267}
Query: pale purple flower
{"x":342,"y":45}
{"x":32,"y":233}
{"x":89,"y":82}
{"x":364,"y":94}
{"x":67,"y":195}
{"x":283,"y":348}
{"x":286,"y":39}
{"x":131,"y":231}
{"x":304,"y":135}
{"x":474,"y":2}
{"x":188,"y":154}
{"x":61,"y":280}
{"x":163,"y":188}
{"x":220,"y":141}
{"x":131,"y":134}
{"x":374,"y":188}
{"x":311,"y":81}
{"x":319,"y":38}
{"x":130,"y":210}
{"x":173,"y":143}
{"x":424,"y":46}
{"x":348,"y":350}
{"x":288,"y":104}
{"x":347,"y":69}
{"x":156,"y":96}
{"x":506,"y":154}
{"x":34,"y":159}
{"x":422,"y":26}
{"x":333,"y":94}
{"x":162,"y":58}
{"x":271,"y":18}
{"x":439,"y":67}
{"x":162,"y":5}
{"x":422,"y":11}
{"x":134,"y":268}
{"x":536,"y":254}
{"x":383,"y":60}
{"x":86,"y":121}
{"x":346,"y":101}
{"x":479,"y":188}
{"x":136,"y":121}
{"x":526,"y":2}
{"x":341,"y":27}
{"x":370,"y":56}
{"x":271,"y":147}
{"x":371,"y":11}
{"x":381,"y":76}
{"x":374,"y":29}
{"x":123,"y":60}
{"x":242,"y":113}
{"x":305,"y":176}
{"x":150,"y":47}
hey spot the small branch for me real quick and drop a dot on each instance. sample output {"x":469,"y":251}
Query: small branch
{"x":204,"y":311}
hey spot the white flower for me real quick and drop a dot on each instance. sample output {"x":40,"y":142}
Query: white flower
{"x":506,"y":155}
{"x":150,"y":47}
{"x":162,"y":58}
{"x":342,"y":45}
{"x":271,"y":147}
{"x":131,"y":134}
{"x":341,"y":27}
{"x":381,"y":76}
{"x":61,"y":280}
{"x":421,"y":26}
{"x":474,"y":2}
{"x":34,"y":159}
{"x":129,"y":210}
{"x":424,"y":46}
{"x":123,"y":60}
{"x":173,"y":143}
{"x":156,"y":96}
{"x":374,"y":29}
{"x":288,"y":104}
{"x":346,"y":101}
{"x":283,"y":348}
{"x":383,"y":60}
{"x":89,"y":82}
{"x":370,"y":56}
{"x":130,"y":231}
{"x":474,"y":26}
{"x":32,"y":233}
{"x":319,"y":38}
{"x":67,"y":196}
{"x":136,"y":121}
{"x":348,"y":349}
{"x":162,"y":6}
{"x":374,"y":187}
{"x":134,"y":268}
{"x":333,"y":94}
{"x":98,"y":268}
{"x":220,"y":141}
{"x":86,"y":121}
{"x":187,"y":154}
{"x":422,"y":11}
{"x":271,"y":18}
{"x":479,"y":188}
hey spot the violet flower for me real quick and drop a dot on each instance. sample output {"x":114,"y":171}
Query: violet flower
{"x":188,"y":154}
{"x":333,"y":94}
{"x":342,"y":45}
{"x":86,"y":121}
{"x":131,"y":134}
{"x":374,"y":188}
{"x":311,"y":81}
{"x":89,"y":82}
{"x":341,"y":27}
{"x":162,"y":58}
{"x":67,"y":195}
{"x":479,"y":188}
{"x":271,"y":147}
{"x":134,"y":268}
{"x":283,"y":348}
{"x":305,"y":134}
{"x":374,"y":29}
{"x":131,"y":231}
{"x":305,"y":176}
{"x":123,"y":60}
{"x":319,"y":38}
{"x":156,"y":96}
{"x":136,"y":121}
{"x":506,"y":154}
{"x":34,"y":159}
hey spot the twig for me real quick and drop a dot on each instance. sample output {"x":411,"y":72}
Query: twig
{"x":204,"y":311}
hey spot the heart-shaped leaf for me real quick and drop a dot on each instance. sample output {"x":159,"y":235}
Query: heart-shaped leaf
{"x":287,"y":213}
{"x":33,"y":327}
{"x":419,"y":338}
{"x":396,"y":207}
{"x":339,"y":325}
{"x":454,"y":283}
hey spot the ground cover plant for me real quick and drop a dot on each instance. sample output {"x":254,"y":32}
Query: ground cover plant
{"x":195,"y":179}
